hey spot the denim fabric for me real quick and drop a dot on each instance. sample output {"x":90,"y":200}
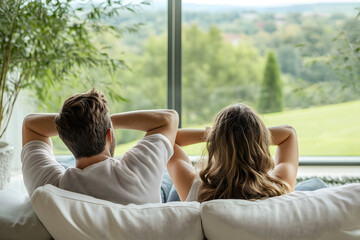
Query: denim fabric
{"x":166,"y":186}
{"x":173,"y":195}
{"x":310,"y":185}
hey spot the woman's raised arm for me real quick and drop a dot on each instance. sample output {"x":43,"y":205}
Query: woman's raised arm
{"x":287,"y":153}
{"x":179,"y":166}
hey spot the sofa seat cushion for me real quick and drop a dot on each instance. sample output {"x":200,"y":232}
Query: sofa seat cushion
{"x":325,"y":214}
{"x":68,"y":215}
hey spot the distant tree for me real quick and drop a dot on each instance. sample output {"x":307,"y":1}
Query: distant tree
{"x":345,"y":58}
{"x":294,"y":17}
{"x":289,"y":60}
{"x":216,"y":73}
{"x":342,"y":57}
{"x":270,"y":26}
{"x":271,"y":96}
{"x":316,"y":36}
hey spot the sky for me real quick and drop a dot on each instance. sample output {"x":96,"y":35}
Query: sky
{"x":260,"y":2}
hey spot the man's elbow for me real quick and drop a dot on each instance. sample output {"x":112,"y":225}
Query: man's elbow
{"x":27,"y":120}
{"x":171,"y":117}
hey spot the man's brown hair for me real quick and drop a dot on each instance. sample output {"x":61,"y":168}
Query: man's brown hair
{"x":82,"y":123}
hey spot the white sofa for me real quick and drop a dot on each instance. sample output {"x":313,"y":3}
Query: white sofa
{"x":331,"y":214}
{"x":18,"y":221}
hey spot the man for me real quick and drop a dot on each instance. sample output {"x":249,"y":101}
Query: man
{"x":87,"y":129}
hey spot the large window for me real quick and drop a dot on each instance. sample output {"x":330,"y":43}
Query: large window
{"x":225,"y":50}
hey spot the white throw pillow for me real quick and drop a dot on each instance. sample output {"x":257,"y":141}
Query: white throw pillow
{"x":325,"y":214}
{"x":68,"y":215}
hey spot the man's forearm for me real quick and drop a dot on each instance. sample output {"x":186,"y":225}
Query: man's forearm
{"x":144,"y":120}
{"x":186,"y":137}
{"x":39,"y":126}
{"x":42,"y":123}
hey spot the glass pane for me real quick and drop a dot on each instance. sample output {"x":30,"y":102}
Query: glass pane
{"x":225,"y":49}
{"x":143,"y":85}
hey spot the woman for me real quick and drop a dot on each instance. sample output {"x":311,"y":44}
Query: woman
{"x":239,"y":164}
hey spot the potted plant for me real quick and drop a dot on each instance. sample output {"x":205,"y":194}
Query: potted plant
{"x":43,"y":42}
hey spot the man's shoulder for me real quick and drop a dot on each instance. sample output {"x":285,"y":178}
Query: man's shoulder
{"x":156,"y":147}
{"x":152,"y":142}
{"x":103,"y":171}
{"x":36,"y":149}
{"x":36,"y":144}
{"x":155,"y":137}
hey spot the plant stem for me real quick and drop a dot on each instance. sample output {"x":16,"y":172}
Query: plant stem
{"x":9,"y":111}
{"x":5,"y":70}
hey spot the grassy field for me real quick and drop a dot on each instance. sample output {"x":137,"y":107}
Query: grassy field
{"x":332,"y":130}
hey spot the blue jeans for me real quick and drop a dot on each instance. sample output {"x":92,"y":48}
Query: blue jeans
{"x":168,"y":191}
{"x":169,"y":194}
{"x":311,"y":185}
{"x":173,"y":195}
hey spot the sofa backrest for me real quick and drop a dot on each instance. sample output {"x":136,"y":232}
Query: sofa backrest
{"x":68,"y":215}
{"x":331,"y":213}
{"x":325,"y":214}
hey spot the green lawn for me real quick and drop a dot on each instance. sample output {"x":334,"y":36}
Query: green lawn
{"x":332,"y":130}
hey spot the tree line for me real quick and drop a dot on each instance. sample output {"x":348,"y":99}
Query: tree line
{"x":217,"y":72}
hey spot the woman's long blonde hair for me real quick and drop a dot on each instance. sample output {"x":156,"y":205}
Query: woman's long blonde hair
{"x":239,"y":159}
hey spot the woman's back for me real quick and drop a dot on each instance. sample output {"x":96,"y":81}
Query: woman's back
{"x":194,"y":190}
{"x":239,"y":164}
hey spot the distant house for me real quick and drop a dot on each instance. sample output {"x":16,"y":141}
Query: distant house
{"x":234,"y":39}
